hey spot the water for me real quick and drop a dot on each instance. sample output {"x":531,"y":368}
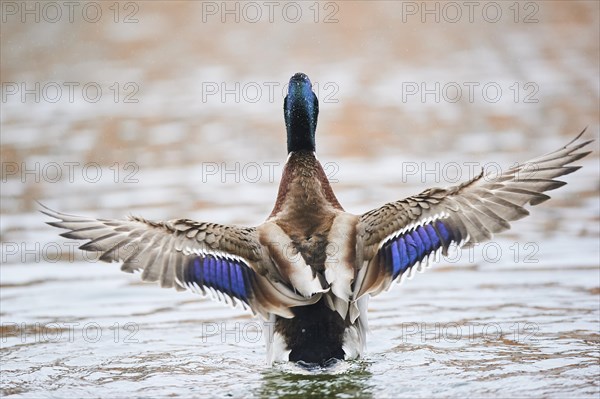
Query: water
{"x":518,"y":317}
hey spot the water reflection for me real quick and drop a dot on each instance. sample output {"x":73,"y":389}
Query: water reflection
{"x":344,"y":379}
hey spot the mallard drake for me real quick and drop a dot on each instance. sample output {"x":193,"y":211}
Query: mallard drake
{"x":311,"y":267}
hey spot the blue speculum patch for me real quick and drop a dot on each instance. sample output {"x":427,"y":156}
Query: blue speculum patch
{"x":226,"y":276}
{"x":404,"y":251}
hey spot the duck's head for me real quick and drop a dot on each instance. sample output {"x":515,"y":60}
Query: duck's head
{"x":301,"y":109}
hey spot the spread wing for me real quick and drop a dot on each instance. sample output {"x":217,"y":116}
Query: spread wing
{"x":224,"y":262}
{"x":410,"y":233}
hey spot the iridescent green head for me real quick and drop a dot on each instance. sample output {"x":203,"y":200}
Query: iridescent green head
{"x":301,"y":109}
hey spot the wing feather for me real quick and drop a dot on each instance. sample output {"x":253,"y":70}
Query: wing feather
{"x":462,"y":215}
{"x":227,"y":263}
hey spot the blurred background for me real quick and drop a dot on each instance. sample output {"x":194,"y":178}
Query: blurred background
{"x":175,"y":109}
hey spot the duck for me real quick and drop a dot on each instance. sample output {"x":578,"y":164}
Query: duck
{"x":310,"y":268}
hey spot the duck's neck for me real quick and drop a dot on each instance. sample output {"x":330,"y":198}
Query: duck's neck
{"x":304,"y":186}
